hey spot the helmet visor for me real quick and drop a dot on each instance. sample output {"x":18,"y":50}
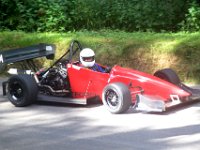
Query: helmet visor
{"x":88,"y":59}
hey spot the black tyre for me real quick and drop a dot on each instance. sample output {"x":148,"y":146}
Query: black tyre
{"x":116,"y":97}
{"x":168,"y":75}
{"x":22,"y":90}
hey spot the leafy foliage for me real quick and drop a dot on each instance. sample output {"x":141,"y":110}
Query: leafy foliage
{"x":34,"y":15}
{"x":69,"y":15}
{"x":192,"y":18}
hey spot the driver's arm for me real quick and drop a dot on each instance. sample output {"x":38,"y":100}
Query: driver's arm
{"x":99,"y":68}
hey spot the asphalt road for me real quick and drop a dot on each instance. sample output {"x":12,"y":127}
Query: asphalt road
{"x":46,"y":126}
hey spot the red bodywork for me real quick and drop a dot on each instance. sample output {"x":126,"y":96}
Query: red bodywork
{"x":88,"y":83}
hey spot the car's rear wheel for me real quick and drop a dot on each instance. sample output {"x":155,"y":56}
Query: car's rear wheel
{"x":168,"y":75}
{"x":22,"y":90}
{"x":116,"y":97}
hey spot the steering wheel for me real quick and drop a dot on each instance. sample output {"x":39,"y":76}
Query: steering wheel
{"x":74,"y":47}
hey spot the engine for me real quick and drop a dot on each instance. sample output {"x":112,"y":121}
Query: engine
{"x":54,"y":81}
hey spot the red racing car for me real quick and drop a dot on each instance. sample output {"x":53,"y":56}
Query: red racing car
{"x":66,"y":81}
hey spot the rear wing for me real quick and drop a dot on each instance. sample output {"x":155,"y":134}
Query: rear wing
{"x":26,"y":53}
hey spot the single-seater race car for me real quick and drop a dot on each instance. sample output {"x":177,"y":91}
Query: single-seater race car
{"x":67,"y":81}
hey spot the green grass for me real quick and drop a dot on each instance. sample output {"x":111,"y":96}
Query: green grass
{"x":146,"y":52}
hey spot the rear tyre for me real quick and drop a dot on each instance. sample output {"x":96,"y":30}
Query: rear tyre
{"x":168,"y":75}
{"x":117,"y":98}
{"x":22,"y":90}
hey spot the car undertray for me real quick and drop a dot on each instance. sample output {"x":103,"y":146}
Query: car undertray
{"x":50,"y":98}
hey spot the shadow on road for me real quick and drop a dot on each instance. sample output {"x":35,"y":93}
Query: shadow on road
{"x":75,"y":132}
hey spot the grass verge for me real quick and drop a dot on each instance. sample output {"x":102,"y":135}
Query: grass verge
{"x":146,"y":52}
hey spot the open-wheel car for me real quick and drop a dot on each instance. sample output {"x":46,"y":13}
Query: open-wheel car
{"x":67,"y":81}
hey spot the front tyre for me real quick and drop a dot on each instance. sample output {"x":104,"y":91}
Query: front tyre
{"x":168,"y":75}
{"x":116,"y":97}
{"x":22,"y":90}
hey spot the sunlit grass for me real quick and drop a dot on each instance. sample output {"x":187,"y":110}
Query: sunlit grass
{"x":143,"y":51}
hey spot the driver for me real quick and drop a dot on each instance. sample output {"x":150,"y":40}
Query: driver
{"x":87,"y":59}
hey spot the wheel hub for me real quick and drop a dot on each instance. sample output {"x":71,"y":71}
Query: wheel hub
{"x":19,"y":91}
{"x":112,"y":98}
{"x":16,"y":91}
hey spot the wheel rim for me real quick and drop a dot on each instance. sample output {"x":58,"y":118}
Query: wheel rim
{"x":112,"y":99}
{"x":16,"y":91}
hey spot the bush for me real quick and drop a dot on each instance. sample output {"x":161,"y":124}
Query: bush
{"x":65,"y":15}
{"x":192,"y":18}
{"x":34,"y":15}
{"x":134,"y":15}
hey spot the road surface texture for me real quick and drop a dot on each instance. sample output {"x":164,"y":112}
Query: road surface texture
{"x":48,"y":126}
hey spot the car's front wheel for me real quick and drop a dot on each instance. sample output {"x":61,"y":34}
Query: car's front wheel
{"x":116,"y":97}
{"x":22,"y":90}
{"x":168,"y":75}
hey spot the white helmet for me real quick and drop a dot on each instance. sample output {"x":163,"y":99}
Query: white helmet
{"x":87,"y":57}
